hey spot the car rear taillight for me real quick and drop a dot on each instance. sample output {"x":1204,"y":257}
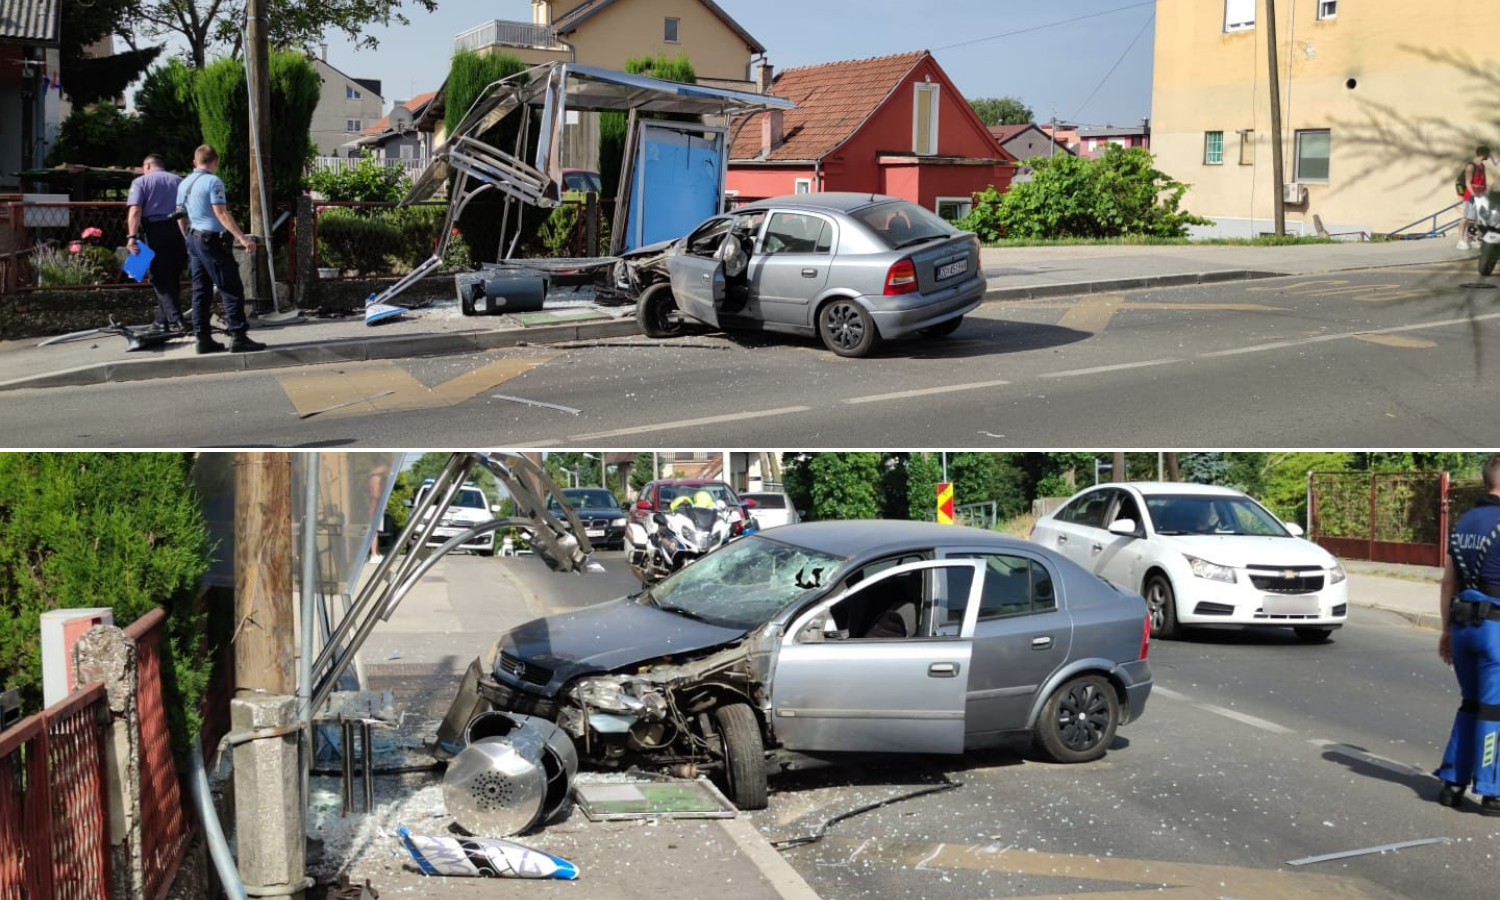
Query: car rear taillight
{"x":1146,"y":636}
{"x":901,"y":279}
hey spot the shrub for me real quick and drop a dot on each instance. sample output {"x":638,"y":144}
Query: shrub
{"x":224,"y":116}
{"x":122,"y":530}
{"x":563,"y":232}
{"x":98,"y":136}
{"x":168,"y":110}
{"x":366,"y":182}
{"x":90,"y":264}
{"x":1118,"y":194}
{"x":351,"y":242}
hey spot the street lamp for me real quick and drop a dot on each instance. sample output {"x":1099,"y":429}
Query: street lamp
{"x":603,"y":469}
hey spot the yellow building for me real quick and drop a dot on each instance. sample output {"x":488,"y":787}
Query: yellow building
{"x":1379,"y":110}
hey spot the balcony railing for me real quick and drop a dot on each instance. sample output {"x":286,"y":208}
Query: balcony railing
{"x":412,"y":166}
{"x":508,"y":34}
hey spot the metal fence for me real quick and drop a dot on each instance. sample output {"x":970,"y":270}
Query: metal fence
{"x":413,"y":166}
{"x":54,"y":827}
{"x":1394,"y":517}
{"x":164,"y":826}
{"x":507,"y":33}
{"x":984,"y":515}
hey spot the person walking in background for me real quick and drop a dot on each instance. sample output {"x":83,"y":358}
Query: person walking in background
{"x":208,"y":228}
{"x":1470,"y":643}
{"x":148,"y":220}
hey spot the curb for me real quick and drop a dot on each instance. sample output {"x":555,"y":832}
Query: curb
{"x":1421,"y":620}
{"x":772,"y":865}
{"x":318,"y":353}
{"x":1044,"y":291}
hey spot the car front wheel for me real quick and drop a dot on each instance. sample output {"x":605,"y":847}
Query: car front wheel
{"x":1079,"y":721}
{"x":744,"y":755}
{"x":656,"y":312}
{"x":847,"y":329}
{"x":1161,"y":606}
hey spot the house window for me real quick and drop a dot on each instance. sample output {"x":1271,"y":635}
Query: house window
{"x":353,"y":126}
{"x":408,"y":151}
{"x":1213,"y":148}
{"x":924,"y":126}
{"x":802,"y":186}
{"x":351,"y":94}
{"x":1328,"y":9}
{"x":954,"y":208}
{"x":1239,"y":15}
{"x":1247,"y":147}
{"x":1312,"y":155}
{"x":670,"y":30}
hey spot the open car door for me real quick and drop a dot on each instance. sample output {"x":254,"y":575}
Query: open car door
{"x":883,"y":667}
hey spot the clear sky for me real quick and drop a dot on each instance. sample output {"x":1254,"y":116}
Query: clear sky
{"x":1054,"y":70}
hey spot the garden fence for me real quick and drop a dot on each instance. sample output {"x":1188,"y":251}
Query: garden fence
{"x":164,"y":824}
{"x":1393,"y":517}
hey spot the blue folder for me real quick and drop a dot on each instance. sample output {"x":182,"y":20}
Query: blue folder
{"x":138,"y":265}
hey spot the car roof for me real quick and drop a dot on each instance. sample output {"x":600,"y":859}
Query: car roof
{"x":835,"y":201}
{"x":689,"y":482}
{"x":854,"y":538}
{"x":1179,"y":489}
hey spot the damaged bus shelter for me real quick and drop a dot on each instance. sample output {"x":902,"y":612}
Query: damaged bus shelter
{"x":672,"y":175}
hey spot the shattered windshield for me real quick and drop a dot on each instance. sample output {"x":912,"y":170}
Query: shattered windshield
{"x":745,"y":584}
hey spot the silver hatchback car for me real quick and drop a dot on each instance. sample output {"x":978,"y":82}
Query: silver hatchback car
{"x":811,"y":642}
{"x":851,"y":269}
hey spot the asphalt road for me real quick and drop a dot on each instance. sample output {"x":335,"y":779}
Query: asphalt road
{"x":1387,"y":357}
{"x":1255,"y":750}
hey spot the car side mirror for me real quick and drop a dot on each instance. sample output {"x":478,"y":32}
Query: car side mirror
{"x":495,"y":508}
{"x":1294,"y":529}
{"x":643,"y":504}
{"x":658,"y":518}
{"x":1123,"y":527}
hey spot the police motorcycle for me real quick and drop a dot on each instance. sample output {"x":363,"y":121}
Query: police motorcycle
{"x":1486,"y":225}
{"x":667,"y":541}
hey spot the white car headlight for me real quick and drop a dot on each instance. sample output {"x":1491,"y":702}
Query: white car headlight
{"x":1202,"y":568}
{"x":606,"y":694}
{"x":1337,"y":573}
{"x":618,"y":523}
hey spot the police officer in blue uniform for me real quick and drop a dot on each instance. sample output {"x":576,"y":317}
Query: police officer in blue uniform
{"x":209,"y":225}
{"x":1471,"y":645}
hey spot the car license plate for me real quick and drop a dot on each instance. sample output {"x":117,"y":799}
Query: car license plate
{"x":1291,"y":606}
{"x":595,"y":532}
{"x":952,"y":270}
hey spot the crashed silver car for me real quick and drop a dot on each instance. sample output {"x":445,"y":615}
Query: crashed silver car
{"x":798,"y":648}
{"x":850,"y":269}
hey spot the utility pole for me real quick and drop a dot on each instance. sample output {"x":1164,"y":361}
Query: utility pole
{"x":258,"y":82}
{"x":1117,"y":468}
{"x":1278,"y":197}
{"x":1052,"y":151}
{"x":264,"y":614}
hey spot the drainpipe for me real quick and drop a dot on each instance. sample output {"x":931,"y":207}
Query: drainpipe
{"x":818,"y":175}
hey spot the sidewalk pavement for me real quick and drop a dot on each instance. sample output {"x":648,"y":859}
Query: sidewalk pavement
{"x":440,"y":330}
{"x":419,"y":654}
{"x":1408,"y":591}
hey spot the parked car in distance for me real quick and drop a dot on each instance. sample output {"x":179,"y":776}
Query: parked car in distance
{"x":800,"y":646}
{"x":585,"y":181}
{"x":850,"y":269}
{"x":600,"y":512}
{"x":470,"y":507}
{"x":657,"y":496}
{"x":1201,"y":556}
{"x":773,"y":509}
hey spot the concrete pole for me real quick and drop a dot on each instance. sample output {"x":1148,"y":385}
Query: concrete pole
{"x":1278,"y":165}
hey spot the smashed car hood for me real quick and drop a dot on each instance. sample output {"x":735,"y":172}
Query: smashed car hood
{"x":606,"y":638}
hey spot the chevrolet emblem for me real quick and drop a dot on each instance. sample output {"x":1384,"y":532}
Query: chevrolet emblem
{"x":1289,"y":575}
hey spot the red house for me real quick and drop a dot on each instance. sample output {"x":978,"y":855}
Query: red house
{"x":892,"y":125}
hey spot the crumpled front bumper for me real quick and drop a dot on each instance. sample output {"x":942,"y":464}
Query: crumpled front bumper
{"x":479,"y":692}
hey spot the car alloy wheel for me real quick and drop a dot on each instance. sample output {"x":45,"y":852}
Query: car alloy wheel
{"x":1161,"y":607}
{"x":847,"y":329}
{"x":1083,"y":716}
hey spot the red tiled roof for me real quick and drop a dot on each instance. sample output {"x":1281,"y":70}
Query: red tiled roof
{"x":833,"y":101}
{"x":1004,"y":133}
{"x":414,"y":105}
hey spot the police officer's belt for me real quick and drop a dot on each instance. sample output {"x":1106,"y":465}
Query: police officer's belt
{"x":1472,"y":613}
{"x":213,"y":235}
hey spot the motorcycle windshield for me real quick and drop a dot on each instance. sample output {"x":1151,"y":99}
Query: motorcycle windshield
{"x":702,"y":519}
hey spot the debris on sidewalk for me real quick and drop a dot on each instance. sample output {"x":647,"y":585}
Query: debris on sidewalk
{"x":514,"y":776}
{"x":483,"y":858}
{"x":677,"y":798}
{"x":1366,"y":851}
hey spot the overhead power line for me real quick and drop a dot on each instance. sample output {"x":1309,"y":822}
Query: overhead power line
{"x":1105,"y":79}
{"x":996,"y":37}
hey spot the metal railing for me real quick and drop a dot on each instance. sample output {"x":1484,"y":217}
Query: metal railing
{"x":1434,"y":229}
{"x":164,"y":827}
{"x":412,"y":166}
{"x":508,"y":34}
{"x":54,"y":828}
{"x":984,"y":515}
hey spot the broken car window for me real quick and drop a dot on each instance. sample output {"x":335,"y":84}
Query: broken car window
{"x":746,"y":583}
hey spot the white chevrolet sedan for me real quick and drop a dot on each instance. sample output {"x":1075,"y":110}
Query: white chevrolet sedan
{"x":1201,"y":556}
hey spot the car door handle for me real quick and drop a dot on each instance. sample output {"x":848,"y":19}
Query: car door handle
{"x":942,"y":670}
{"x":809,"y":273}
{"x":1098,"y":548}
{"x":1062,"y":539}
{"x":708,"y":276}
{"x":1042,"y":643}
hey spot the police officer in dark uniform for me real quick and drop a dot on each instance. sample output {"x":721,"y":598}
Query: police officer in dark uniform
{"x":1471,"y":645}
{"x":148,"y":219}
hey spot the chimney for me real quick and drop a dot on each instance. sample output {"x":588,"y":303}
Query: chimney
{"x":324,"y":53}
{"x":541,"y":12}
{"x":764,"y":76}
{"x":772,"y":125}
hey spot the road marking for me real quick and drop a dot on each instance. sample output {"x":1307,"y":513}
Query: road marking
{"x":1246,"y":718}
{"x":1396,"y":340}
{"x":1168,"y":693}
{"x":924,"y":392}
{"x":691,"y":423}
{"x":1150,"y":878}
{"x":362,"y":389}
{"x":1323,"y":338}
{"x":1093,"y":313}
{"x":1096,"y":370}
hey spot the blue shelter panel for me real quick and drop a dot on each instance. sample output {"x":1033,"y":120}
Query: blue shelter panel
{"x":678,"y":182}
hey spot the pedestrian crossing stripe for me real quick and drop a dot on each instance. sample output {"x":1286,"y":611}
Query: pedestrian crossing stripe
{"x":1489,"y":748}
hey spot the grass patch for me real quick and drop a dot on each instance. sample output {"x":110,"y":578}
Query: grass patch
{"x":1019,"y":527}
{"x":1145,"y":241}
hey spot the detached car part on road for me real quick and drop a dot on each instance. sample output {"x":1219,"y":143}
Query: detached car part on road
{"x":822,"y":640}
{"x":850,"y":269}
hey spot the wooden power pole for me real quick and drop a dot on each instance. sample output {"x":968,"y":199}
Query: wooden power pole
{"x":1278,"y":166}
{"x":264,"y":637}
{"x":258,"y":82}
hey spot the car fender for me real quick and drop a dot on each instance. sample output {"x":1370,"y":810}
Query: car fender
{"x":831,"y":294}
{"x":1073,"y":669}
